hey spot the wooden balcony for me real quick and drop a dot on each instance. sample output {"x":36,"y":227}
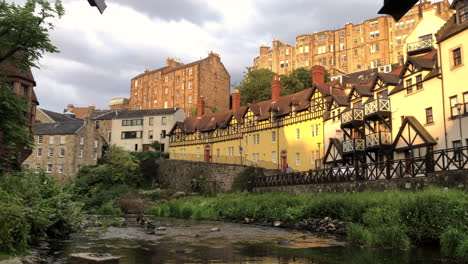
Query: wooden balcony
{"x":352,"y":118}
{"x":354,"y":145}
{"x":419,"y":47}
{"x":379,"y":140}
{"x":378,"y":107}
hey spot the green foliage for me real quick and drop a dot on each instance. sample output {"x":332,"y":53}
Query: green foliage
{"x":25,"y":32}
{"x":155,"y":145}
{"x":256,"y":86}
{"x":454,"y":242}
{"x":380,"y":219}
{"x":244,"y":181}
{"x":108,"y":209}
{"x":299,"y":79}
{"x":32,"y":205}
{"x":12,"y":126}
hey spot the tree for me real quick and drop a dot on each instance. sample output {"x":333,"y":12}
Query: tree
{"x":256,"y":86}
{"x":299,"y":79}
{"x":24,"y":37}
{"x":24,"y":33}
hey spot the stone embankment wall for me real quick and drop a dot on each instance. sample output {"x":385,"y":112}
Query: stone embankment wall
{"x":178,"y":175}
{"x":449,"y":179}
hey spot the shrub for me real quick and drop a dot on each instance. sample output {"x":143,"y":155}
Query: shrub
{"x":186,"y":212}
{"x":450,"y":240}
{"x":358,"y":234}
{"x":244,"y":181}
{"x":108,"y":209}
{"x":462,"y":249}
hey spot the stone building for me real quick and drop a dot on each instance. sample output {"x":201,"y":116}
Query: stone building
{"x":178,"y":85}
{"x":135,"y":130}
{"x":22,"y":84}
{"x":119,"y":103}
{"x":63,"y":144}
{"x":374,"y":43}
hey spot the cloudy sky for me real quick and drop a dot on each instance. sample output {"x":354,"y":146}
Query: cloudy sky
{"x":101,"y":53}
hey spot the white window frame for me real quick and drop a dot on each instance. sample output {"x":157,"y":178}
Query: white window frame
{"x":62,"y":152}
{"x":81,"y":140}
{"x":50,"y":152}
{"x":273,"y":157}
{"x":96,"y":143}
{"x":51,"y":140}
{"x":81,"y":153}
{"x":50,"y":167}
{"x":40,"y":139}
{"x":39,"y":152}
{"x":62,"y":140}
{"x":60,"y":168}
{"x":298,"y":158}
{"x":273,"y":136}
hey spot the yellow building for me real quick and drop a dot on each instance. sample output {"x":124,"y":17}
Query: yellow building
{"x":284,"y":131}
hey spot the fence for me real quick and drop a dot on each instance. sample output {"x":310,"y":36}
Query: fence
{"x":439,"y":160}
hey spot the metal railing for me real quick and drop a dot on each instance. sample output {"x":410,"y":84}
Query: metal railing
{"x":378,"y":105}
{"x":352,"y":145}
{"x":379,"y":138}
{"x":355,"y":114}
{"x":434,"y":161}
{"x":418,"y":45}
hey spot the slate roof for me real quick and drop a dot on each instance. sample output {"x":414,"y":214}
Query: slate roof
{"x":57,"y":117}
{"x":63,"y":128}
{"x":450,"y":28}
{"x":140,"y":113}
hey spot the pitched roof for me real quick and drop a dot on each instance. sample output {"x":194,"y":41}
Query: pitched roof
{"x":142,"y":113}
{"x":63,"y":128}
{"x":420,"y":130}
{"x":11,"y":71}
{"x":105,"y":114}
{"x":57,"y":117}
{"x":450,"y":28}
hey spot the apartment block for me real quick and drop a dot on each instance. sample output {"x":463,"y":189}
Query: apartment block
{"x":178,"y":85}
{"x":374,"y":43}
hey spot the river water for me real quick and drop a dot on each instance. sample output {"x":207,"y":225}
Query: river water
{"x":189,"y":241}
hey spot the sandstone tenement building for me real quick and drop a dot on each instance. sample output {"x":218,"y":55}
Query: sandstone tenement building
{"x":178,"y":85}
{"x":374,"y":43}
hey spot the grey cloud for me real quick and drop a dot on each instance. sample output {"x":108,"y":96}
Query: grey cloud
{"x":190,"y":10}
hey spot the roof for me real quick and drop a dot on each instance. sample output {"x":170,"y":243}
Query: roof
{"x":63,"y":128}
{"x":149,"y":72}
{"x":57,"y":117}
{"x":141,"y":113}
{"x":105,"y":114}
{"x":14,"y":72}
{"x":450,"y":28}
{"x":418,"y":128}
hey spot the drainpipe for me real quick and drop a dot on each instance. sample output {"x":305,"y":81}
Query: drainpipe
{"x":439,"y":64}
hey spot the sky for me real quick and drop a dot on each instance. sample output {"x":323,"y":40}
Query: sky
{"x":100,"y":54}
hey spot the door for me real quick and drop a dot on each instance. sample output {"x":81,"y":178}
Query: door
{"x":284,"y":162}
{"x":408,"y":157}
{"x":207,"y":153}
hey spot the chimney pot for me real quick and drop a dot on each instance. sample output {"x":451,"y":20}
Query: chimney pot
{"x":275,"y":88}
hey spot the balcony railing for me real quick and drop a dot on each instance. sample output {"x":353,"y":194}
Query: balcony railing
{"x":351,"y":115}
{"x":378,"y":139}
{"x":419,"y":45}
{"x":378,"y":105}
{"x":352,"y":145}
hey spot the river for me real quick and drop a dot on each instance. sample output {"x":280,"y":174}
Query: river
{"x":190,"y":241}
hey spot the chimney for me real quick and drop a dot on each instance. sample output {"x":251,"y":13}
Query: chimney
{"x":236,"y":100}
{"x":275,"y":88}
{"x":201,"y":107}
{"x":318,"y":74}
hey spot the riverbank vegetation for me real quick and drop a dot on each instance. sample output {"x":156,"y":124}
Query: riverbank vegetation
{"x":387,"y":219}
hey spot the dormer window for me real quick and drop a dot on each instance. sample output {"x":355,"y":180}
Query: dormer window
{"x":463,"y":14}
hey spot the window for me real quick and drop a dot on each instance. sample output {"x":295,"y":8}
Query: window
{"x":231,"y":151}
{"x":163,"y":120}
{"x":165,"y":104}
{"x":314,"y":130}
{"x":273,"y":157}
{"x":166,"y":91}
{"x":190,"y":85}
{"x":342,"y":46}
{"x":95,"y":154}
{"x":465,"y":102}
{"x":454,"y":105}
{"x":62,"y":140}
{"x":24,"y":90}
{"x":39,"y":152}
{"x":409,"y":86}
{"x":166,"y":78}
{"x":190,"y":99}
{"x":429,"y":117}
{"x":134,"y":122}
{"x":49,"y":168}
{"x":273,"y":136}
{"x":306,"y":49}
{"x":51,"y":139}
{"x":344,"y":58}
{"x":62,"y":152}
{"x":150,"y":134}
{"x":60,"y":168}
{"x":341,"y":34}
{"x":151,"y":121}
{"x":39,"y":140}
{"x":457,"y":59}
{"x":322,"y":49}
{"x":10,"y":85}
{"x":374,"y":34}
{"x":298,"y":133}
{"x":51,"y":152}
{"x":355,"y":53}
{"x":398,"y":41}
{"x":197,"y":152}
{"x":374,"y":48}
{"x":81,"y":153}
{"x":463,"y":14}
{"x":301,"y":49}
{"x":419,"y":83}
{"x":332,"y":48}
{"x":281,"y":64}
{"x":131,"y":134}
{"x":374,"y":23}
{"x":96,"y":144}
{"x":425,"y":37}
{"x":246,"y":140}
{"x":375,"y":63}
{"x":354,"y":40}
{"x":190,"y":72}
{"x":298,"y":158}
{"x":321,"y":37}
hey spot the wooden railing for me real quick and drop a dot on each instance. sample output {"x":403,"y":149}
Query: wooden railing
{"x":352,"y":145}
{"x":378,"y":105}
{"x":419,"y":45}
{"x":379,"y":138}
{"x":355,"y":114}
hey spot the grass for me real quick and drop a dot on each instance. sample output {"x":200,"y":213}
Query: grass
{"x":387,"y":219}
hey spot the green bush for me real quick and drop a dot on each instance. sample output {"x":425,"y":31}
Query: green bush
{"x":462,"y":249}
{"x":108,"y":209}
{"x":244,"y":181}
{"x":359,"y":235}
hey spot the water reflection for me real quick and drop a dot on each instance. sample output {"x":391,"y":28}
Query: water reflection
{"x":192,"y":242}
